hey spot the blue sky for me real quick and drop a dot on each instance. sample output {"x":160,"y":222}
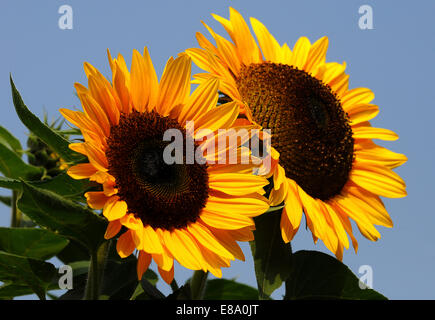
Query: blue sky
{"x":395,"y":60}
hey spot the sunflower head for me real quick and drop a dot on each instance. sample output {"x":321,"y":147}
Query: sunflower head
{"x":325,"y":163}
{"x":191,"y":212}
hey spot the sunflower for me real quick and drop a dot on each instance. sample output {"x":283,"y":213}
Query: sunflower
{"x":193,"y":213}
{"x":325,"y":164}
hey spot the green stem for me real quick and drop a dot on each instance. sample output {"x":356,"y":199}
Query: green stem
{"x":16,"y":214}
{"x":174,"y":286}
{"x":197,"y":284}
{"x":95,"y":274}
{"x":289,"y":279}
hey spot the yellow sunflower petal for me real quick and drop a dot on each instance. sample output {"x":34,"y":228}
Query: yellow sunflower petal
{"x":86,"y":125}
{"x":269,"y":46}
{"x":286,"y":55}
{"x":125,"y":244}
{"x":227,"y":53}
{"x":213,"y":262}
{"x":364,"y":132}
{"x":140,"y":90}
{"x":102,"y":92}
{"x":143,"y":262}
{"x":372,"y":205}
{"x":100,"y":177}
{"x":345,"y":222}
{"x":225,"y":221}
{"x":82,"y":171}
{"x":251,"y":205}
{"x":336,"y":224}
{"x":95,"y":113}
{"x":120,"y":84}
{"x":174,"y":85}
{"x":203,"y":235}
{"x":167,"y":276}
{"x":228,"y":240}
{"x":293,"y":205}
{"x":200,"y":58}
{"x":151,"y":241}
{"x":96,"y":199}
{"x":131,"y":222}
{"x":226,"y":24}
{"x":368,"y":151}
{"x":112,"y":229}
{"x":378,"y":180}
{"x":357,"y":96}
{"x":165,"y":261}
{"x":114,"y":208}
{"x":78,"y":147}
{"x":348,"y":206}
{"x":237,"y":184}
{"x":152,"y":80}
{"x":287,"y":230}
{"x":243,"y":39}
{"x":301,"y":50}
{"x":205,"y":43}
{"x":219,"y":118}
{"x":332,"y":72}
{"x":202,"y":100}
{"x":96,"y":156}
{"x":276,"y":197}
{"x":318,"y":224}
{"x":184,"y":248}
{"x":316,"y":55}
{"x":362,"y":112}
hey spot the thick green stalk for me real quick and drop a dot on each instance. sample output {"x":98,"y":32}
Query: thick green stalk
{"x":16,"y":214}
{"x":174,"y":286}
{"x":96,"y":269}
{"x":287,"y":282}
{"x":197,"y":284}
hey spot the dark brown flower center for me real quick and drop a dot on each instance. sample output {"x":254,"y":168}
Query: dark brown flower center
{"x":309,"y":128}
{"x":162,"y":195}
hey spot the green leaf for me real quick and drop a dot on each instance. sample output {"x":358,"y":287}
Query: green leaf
{"x":62,"y":185}
{"x":120,"y":278}
{"x":41,"y":130}
{"x":34,"y":273}
{"x":10,"y":290}
{"x":80,"y":267}
{"x":197,"y":284}
{"x":80,"y":277}
{"x":183,"y":293}
{"x":73,"y":252}
{"x":12,"y":184}
{"x":139,"y":294}
{"x":316,"y":275}
{"x":272,"y":257}
{"x":12,"y":166}
{"x":224,"y":289}
{"x":30,"y":242}
{"x":7,"y":139}
{"x":63,"y":216}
